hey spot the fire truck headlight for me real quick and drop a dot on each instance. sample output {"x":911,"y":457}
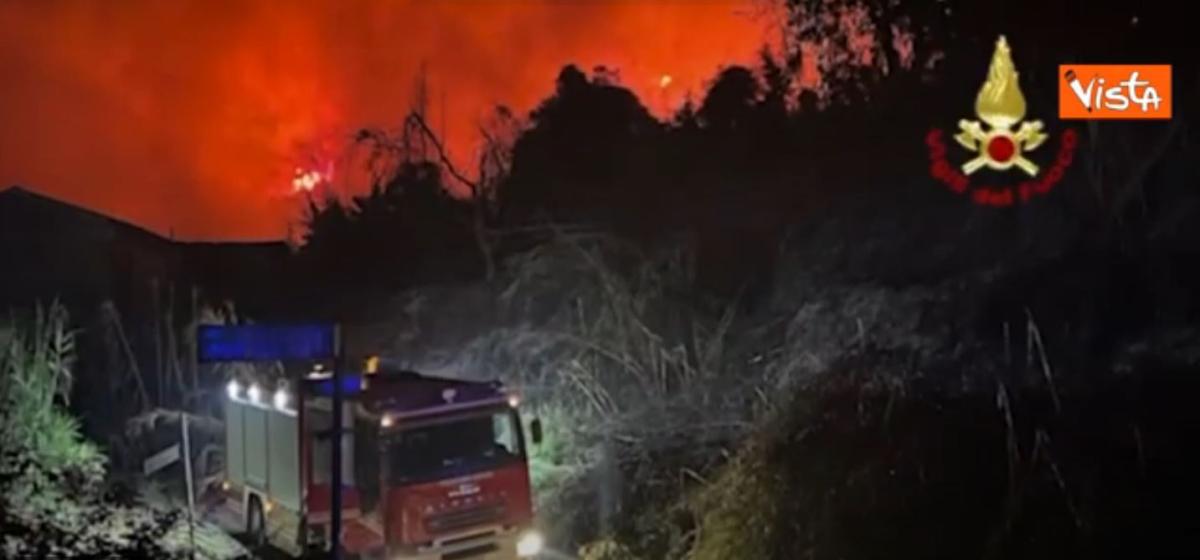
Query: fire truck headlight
{"x":530,"y":544}
{"x":280,"y":399}
{"x":233,"y":389}
{"x":253,"y":392}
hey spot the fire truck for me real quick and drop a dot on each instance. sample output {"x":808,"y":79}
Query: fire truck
{"x":432,"y":468}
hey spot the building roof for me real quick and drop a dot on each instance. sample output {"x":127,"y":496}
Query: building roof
{"x":67,"y":250}
{"x":16,"y":194}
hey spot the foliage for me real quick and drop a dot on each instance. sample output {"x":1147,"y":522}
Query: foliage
{"x":35,"y":369}
{"x":590,"y":330}
{"x":857,"y":44}
{"x":51,"y":504}
{"x":647,"y":383}
{"x":555,"y":176}
{"x":407,"y":229}
{"x":869,"y":464}
{"x":738,"y":511}
{"x":641,"y":387}
{"x":676,"y":427}
{"x":606,"y":549}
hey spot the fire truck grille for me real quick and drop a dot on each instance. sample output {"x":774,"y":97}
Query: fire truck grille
{"x":465,"y":518}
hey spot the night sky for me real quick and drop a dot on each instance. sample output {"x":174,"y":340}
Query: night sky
{"x":194,"y":116}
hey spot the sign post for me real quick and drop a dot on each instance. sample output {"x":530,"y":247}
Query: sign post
{"x":187,"y":474}
{"x":335,"y":486}
{"x":167,"y":457}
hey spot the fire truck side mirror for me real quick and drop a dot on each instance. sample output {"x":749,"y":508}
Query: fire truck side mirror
{"x":535,"y":431}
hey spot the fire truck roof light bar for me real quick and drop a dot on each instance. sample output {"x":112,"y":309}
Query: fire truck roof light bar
{"x":352,"y":384}
{"x":396,"y":416}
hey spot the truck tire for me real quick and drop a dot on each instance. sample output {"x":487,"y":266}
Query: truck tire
{"x":256,"y":523}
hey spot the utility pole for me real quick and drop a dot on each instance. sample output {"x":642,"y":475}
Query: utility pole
{"x":335,"y":486}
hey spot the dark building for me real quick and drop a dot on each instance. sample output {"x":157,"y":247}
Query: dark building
{"x":53,"y":250}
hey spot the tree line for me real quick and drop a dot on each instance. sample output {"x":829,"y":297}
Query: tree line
{"x":758,"y":153}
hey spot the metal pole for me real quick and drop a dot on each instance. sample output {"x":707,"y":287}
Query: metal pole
{"x":193,"y":360}
{"x":160,"y":379}
{"x":187,"y":473}
{"x":335,"y":486}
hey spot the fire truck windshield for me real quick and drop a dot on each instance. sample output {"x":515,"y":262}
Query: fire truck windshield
{"x":454,"y":446}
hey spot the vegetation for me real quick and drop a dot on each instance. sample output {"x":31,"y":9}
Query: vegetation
{"x":36,"y":365}
{"x":54,"y":499}
{"x":859,"y":471}
{"x":843,"y":418}
{"x":757,"y":329}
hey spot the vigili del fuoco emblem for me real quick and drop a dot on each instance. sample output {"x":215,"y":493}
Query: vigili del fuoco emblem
{"x":1000,"y":140}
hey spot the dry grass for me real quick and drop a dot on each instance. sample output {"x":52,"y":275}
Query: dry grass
{"x":645,"y":391}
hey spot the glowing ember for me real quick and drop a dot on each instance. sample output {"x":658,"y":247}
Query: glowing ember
{"x":306,"y":181}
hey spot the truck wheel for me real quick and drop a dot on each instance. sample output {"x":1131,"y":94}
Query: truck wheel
{"x":256,"y":523}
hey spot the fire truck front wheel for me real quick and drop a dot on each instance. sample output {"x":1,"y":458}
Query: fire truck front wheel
{"x":256,"y":522}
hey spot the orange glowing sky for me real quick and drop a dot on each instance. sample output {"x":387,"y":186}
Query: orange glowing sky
{"x":192,"y":115}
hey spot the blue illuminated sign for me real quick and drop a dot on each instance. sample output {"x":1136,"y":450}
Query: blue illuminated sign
{"x":264,"y":343}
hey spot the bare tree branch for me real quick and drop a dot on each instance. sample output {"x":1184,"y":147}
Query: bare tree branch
{"x":443,"y":156}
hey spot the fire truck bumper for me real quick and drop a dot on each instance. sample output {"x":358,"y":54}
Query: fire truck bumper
{"x":507,"y":545}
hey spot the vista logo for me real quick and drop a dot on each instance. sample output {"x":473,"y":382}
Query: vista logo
{"x":1114,"y":91}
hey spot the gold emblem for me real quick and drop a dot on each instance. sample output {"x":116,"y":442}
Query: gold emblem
{"x":1001,"y":106}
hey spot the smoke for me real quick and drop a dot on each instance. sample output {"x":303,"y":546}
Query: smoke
{"x":193,"y":116}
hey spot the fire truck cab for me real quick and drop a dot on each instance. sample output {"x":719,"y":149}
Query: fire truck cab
{"x":432,"y":468}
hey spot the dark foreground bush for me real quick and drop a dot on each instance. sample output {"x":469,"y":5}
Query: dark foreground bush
{"x":858,"y":470}
{"x":51,"y":522}
{"x":51,"y":479}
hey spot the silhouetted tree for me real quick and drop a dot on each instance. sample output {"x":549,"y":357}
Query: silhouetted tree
{"x":589,"y":156}
{"x":406,"y":230}
{"x":731,"y":101}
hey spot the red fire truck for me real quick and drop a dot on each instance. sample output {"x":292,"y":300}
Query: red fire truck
{"x":432,"y":468}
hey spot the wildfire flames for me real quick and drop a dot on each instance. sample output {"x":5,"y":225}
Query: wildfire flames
{"x":307,"y":180}
{"x":193,"y":117}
